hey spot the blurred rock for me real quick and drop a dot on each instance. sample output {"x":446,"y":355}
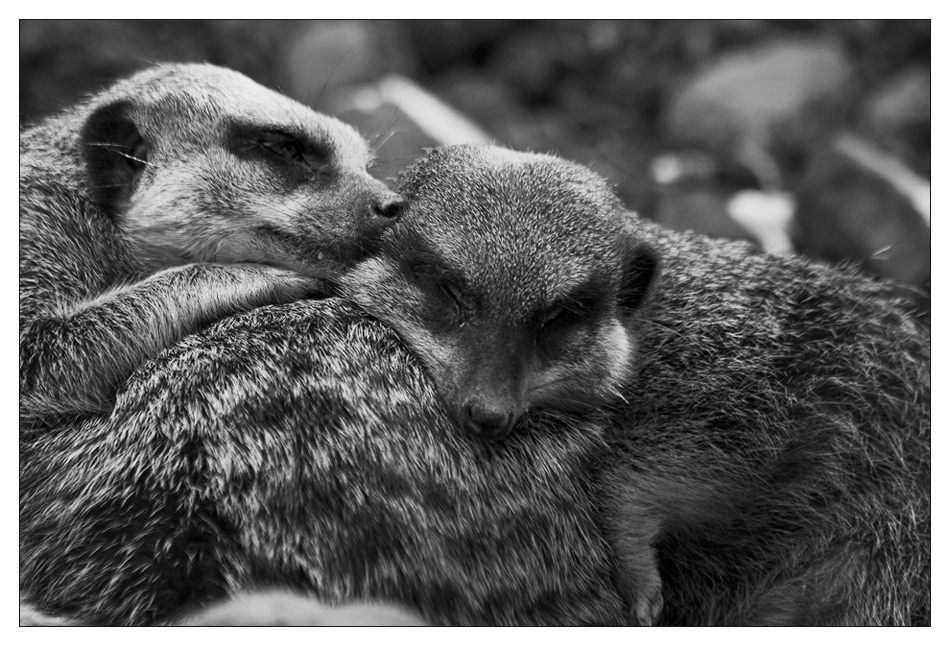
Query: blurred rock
{"x":443,"y":44}
{"x":591,"y":139}
{"x":766,"y":215}
{"x":886,"y":47}
{"x":711,"y":194}
{"x":702,"y":209}
{"x":857,"y":204}
{"x":533,"y":60}
{"x":486,"y":100}
{"x":647,"y":58}
{"x":701,"y":172}
{"x":784,"y":93}
{"x":61,"y":61}
{"x":574,"y":97}
{"x":625,"y":164}
{"x":897,"y":116}
{"x":336,"y":53}
{"x":400,"y":119}
{"x":692,"y":164}
{"x":526,"y":63}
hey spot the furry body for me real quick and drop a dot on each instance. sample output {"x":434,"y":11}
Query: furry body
{"x":775,"y":448}
{"x":153,"y":209}
{"x":770,"y":461}
{"x":302,"y":447}
{"x":772,"y":429}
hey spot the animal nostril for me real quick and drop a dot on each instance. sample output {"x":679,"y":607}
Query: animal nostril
{"x":391,"y":208}
{"x":490,"y":424}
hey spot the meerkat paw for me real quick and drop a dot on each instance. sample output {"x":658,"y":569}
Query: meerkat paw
{"x":647,"y":598}
{"x":648,"y":602}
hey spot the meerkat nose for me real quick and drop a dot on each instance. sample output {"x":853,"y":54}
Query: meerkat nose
{"x":485,"y":423}
{"x":390,"y":208}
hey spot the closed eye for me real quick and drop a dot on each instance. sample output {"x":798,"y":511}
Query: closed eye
{"x":283,"y":145}
{"x":552,"y":315}
{"x":563,"y":319}
{"x":278,"y":145}
{"x":454,"y":293}
{"x":562,"y":315}
{"x":435,"y":276}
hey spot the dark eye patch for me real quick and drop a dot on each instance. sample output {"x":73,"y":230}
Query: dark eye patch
{"x":419,"y":259}
{"x":434,"y":276}
{"x":581,"y":305}
{"x":278,"y":145}
{"x":562,"y":315}
{"x":282,"y":145}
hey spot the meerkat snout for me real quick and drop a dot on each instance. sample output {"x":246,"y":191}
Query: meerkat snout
{"x":389,"y":209}
{"x":486,"y":422}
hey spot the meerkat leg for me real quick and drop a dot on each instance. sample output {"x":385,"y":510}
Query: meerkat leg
{"x":632,"y":530}
{"x":73,"y":362}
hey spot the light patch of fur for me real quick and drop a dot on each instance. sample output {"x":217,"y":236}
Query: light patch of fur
{"x":619,"y":348}
{"x":277,"y":608}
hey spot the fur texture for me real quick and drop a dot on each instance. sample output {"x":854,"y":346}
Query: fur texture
{"x":772,"y":432}
{"x":770,"y":458}
{"x":515,"y":298}
{"x":302,"y":447}
{"x":775,"y":451}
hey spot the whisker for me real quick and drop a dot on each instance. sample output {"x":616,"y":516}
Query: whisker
{"x":327,"y":82}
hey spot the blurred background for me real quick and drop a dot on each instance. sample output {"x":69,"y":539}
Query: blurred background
{"x":808,"y":137}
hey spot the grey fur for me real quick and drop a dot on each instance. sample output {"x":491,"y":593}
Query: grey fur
{"x":516,"y":297}
{"x":302,"y":447}
{"x":142,"y":210}
{"x":769,"y":456}
{"x":772,"y":430}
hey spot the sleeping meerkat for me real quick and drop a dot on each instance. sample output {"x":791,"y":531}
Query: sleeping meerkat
{"x":769,"y":456}
{"x":771,"y":417}
{"x":179,"y":196}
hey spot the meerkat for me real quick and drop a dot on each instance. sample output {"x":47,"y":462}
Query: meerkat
{"x":176,"y":197}
{"x":763,"y":407}
{"x":514,"y":298}
{"x":515,"y":279}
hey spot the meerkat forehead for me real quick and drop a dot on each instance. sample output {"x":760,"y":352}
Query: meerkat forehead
{"x":198,"y":101}
{"x":509,"y":189}
{"x":518,"y":224}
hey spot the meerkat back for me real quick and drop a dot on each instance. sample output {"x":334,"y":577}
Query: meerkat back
{"x":302,"y":447}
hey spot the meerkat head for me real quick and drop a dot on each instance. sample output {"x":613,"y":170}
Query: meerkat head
{"x":199,"y":163}
{"x":516,"y":281}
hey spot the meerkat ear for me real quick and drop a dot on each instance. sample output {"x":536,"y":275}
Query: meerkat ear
{"x":641,"y":267}
{"x":115,"y":153}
